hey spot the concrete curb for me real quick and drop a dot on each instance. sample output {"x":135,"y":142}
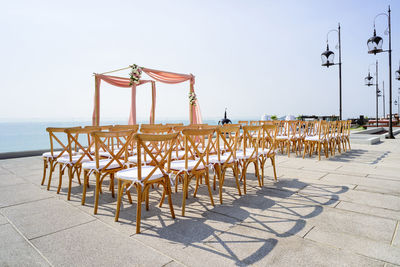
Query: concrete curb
{"x":22,"y":154}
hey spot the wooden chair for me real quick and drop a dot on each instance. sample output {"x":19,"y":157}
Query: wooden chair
{"x":50,"y":158}
{"x":195,"y":163}
{"x":143,"y":177}
{"x":268,"y":146}
{"x":226,"y":144}
{"x":249,"y":153}
{"x":320,"y":140}
{"x":73,"y":163}
{"x":103,"y":167}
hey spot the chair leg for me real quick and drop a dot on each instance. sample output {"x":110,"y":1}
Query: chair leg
{"x":236,"y":174}
{"x":78,"y":174}
{"x":244,"y":169}
{"x":185,"y":181}
{"x":207,"y":180}
{"x":85,"y":183}
{"x":69,"y":182}
{"x":146,"y":193}
{"x":59,"y":179}
{"x":138,"y":208}
{"x":319,"y":150}
{"x":128,"y":193}
{"x":97,"y":192}
{"x":112,"y":184}
{"x":273,"y":166}
{"x":44,"y":170}
{"x":168,"y":189}
{"x":162,"y":198}
{"x":197,"y":185}
{"x":119,"y":197}
{"x":220,"y":185}
{"x":52,"y":166}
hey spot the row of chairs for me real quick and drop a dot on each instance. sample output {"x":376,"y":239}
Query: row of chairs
{"x":159,"y":155}
{"x":307,"y":137}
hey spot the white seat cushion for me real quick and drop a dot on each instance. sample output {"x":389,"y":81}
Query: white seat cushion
{"x":178,"y":154}
{"x":55,"y":154}
{"x":240,"y":153}
{"x":223,"y":159}
{"x":282,"y":137}
{"x":134,"y":159}
{"x":90,"y":165}
{"x":74,"y":159}
{"x":314,"y":138}
{"x":179,"y":165}
{"x":132,"y":173}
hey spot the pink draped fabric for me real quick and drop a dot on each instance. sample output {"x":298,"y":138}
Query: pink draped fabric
{"x":171,"y":77}
{"x":158,"y":75}
{"x":120,"y":82}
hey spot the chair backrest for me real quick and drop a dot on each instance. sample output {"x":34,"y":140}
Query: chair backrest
{"x":76,"y":139}
{"x":194,"y":148}
{"x":160,"y":160}
{"x":227,"y":141}
{"x":56,"y":135}
{"x":174,"y":124}
{"x":116,"y":154}
{"x":134,"y":127}
{"x":251,"y":139}
{"x":156,"y":129}
{"x":269,"y":136}
{"x":243,"y":123}
{"x":101,"y":127}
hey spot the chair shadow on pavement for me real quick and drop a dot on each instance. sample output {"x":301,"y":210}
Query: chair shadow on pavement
{"x":244,"y":229}
{"x":253,"y":222}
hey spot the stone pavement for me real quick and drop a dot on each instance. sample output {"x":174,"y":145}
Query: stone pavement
{"x":342,"y":211}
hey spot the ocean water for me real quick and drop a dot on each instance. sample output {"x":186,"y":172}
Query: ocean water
{"x":25,"y":136}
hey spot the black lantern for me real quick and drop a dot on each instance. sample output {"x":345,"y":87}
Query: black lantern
{"x":375,"y":44}
{"x":397,"y":74}
{"x":369,"y":80}
{"x":327,"y":57}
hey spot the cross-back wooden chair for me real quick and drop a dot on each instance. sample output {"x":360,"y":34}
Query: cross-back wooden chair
{"x":150,"y":129}
{"x":268,"y":146}
{"x":103,"y":167}
{"x":249,"y":152}
{"x":346,"y":135}
{"x":195,"y":163}
{"x":226,"y":144}
{"x":320,"y":140}
{"x":57,"y":136}
{"x":144,"y":177}
{"x":73,"y":163}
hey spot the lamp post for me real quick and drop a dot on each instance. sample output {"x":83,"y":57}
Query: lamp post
{"x":327,"y":58}
{"x":383,"y":100}
{"x":369,"y":81}
{"x":375,"y":46}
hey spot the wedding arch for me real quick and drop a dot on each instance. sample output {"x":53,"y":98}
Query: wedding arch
{"x":135,"y":80}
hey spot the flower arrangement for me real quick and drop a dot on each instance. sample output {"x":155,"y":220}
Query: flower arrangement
{"x":192,"y":98}
{"x":135,"y":74}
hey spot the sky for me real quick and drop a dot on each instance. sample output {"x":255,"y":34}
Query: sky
{"x":251,"y":57}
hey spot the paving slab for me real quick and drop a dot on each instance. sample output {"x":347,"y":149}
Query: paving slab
{"x":16,"y":251}
{"x":96,"y":244}
{"x":352,"y":223}
{"x":356,"y":244}
{"x":21,"y":193}
{"x":261,"y":248}
{"x":360,"y":208}
{"x":10,"y":179}
{"x":3,"y":220}
{"x":364,"y":181}
{"x":361,"y":197}
{"x":42,"y":217}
